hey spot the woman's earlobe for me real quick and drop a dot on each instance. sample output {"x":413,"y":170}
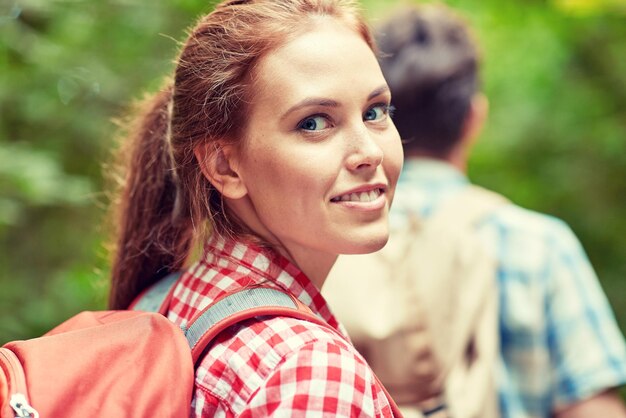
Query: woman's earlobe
{"x":218,"y":163}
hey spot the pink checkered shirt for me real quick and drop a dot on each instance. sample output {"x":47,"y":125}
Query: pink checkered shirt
{"x":273,"y":366}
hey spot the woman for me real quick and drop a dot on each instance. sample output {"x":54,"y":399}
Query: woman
{"x":273,"y":134}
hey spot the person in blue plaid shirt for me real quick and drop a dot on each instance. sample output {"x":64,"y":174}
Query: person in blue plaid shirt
{"x":562,"y":354}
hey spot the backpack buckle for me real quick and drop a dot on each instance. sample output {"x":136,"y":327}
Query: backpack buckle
{"x":21,"y":407}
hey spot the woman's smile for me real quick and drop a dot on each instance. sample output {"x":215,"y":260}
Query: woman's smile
{"x":365,"y":198}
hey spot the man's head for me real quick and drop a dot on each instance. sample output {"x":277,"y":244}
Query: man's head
{"x":430,"y":62}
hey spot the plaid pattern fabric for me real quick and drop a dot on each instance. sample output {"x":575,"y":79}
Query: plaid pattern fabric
{"x":559,"y":339}
{"x":274,"y":366}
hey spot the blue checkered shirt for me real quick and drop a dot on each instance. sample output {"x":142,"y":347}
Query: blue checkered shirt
{"x":559,"y":339}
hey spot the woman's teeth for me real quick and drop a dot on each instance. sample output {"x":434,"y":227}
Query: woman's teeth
{"x":358,"y":197}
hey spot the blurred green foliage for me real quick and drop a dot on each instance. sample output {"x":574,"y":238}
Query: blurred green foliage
{"x":68,"y":69}
{"x":554,"y":71}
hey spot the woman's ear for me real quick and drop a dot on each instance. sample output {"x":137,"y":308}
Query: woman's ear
{"x":219,"y":164}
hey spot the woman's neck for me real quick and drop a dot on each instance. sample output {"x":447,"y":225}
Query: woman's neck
{"x":315,"y":265}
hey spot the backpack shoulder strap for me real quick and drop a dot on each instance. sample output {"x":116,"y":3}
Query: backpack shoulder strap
{"x":240,"y":305}
{"x":463,"y":305}
{"x":157,"y":297}
{"x":225,"y":311}
{"x":467,"y":208}
{"x":457,"y":215}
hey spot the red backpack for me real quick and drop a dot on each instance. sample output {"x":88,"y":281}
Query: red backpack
{"x":128,"y":363}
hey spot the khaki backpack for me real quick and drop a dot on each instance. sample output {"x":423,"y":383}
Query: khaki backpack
{"x":423,"y":311}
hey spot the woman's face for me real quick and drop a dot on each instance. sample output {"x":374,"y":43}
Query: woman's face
{"x":321,"y":156}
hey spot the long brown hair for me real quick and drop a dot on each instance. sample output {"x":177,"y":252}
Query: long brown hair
{"x":164,"y":201}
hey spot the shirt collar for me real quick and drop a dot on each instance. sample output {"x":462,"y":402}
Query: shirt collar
{"x":265,"y":265}
{"x":424,"y":183}
{"x":431,"y":172}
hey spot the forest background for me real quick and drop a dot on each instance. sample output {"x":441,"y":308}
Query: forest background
{"x":554,"y":71}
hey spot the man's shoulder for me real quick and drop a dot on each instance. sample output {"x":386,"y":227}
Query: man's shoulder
{"x":503,"y":217}
{"x":513,"y":218}
{"x":526,"y":239}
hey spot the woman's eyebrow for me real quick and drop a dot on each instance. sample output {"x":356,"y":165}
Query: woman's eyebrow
{"x":378,"y":91}
{"x":310,"y":102}
{"x":323,"y":102}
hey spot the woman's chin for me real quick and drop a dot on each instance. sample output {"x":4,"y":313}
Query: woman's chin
{"x":366,"y":246}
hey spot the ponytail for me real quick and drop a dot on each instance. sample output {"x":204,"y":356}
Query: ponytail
{"x":153,"y":238}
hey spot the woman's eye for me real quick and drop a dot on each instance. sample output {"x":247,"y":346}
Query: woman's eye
{"x":314,"y":123}
{"x":377,"y":112}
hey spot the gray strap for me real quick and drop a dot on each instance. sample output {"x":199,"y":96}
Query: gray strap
{"x":151,"y":300}
{"x":250,"y":298}
{"x":232,"y":304}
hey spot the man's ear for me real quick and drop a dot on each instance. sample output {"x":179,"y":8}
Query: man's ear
{"x":219,"y":164}
{"x":476,"y":117}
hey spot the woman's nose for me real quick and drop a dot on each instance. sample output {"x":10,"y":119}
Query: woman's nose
{"x":365,"y":152}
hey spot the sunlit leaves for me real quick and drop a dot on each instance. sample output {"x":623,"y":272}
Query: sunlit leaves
{"x":590,"y":7}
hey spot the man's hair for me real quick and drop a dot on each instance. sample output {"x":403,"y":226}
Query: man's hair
{"x":430,"y":62}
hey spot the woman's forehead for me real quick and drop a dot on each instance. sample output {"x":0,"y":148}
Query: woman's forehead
{"x":330,"y":60}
